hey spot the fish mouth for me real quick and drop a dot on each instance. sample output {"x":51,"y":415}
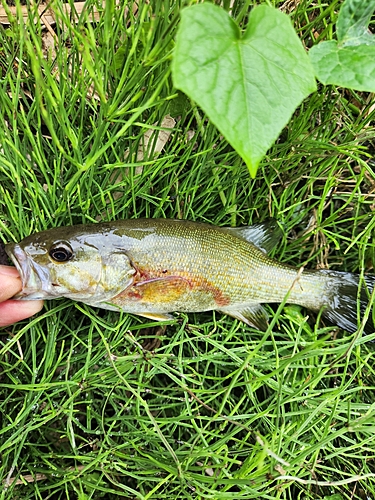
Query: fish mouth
{"x":34,"y":279}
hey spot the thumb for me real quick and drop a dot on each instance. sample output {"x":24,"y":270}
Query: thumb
{"x":10,"y":282}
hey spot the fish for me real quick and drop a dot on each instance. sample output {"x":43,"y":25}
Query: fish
{"x":154,"y":267}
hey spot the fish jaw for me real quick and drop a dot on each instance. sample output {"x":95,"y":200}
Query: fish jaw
{"x":35,"y":280}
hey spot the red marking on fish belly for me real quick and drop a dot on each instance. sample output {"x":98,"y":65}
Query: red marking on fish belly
{"x":220,"y":299}
{"x":131,"y":293}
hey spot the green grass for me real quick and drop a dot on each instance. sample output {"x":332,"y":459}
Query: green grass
{"x":218,"y":410}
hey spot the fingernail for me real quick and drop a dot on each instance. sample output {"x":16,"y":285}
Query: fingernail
{"x":9,"y":271}
{"x":31,"y":307}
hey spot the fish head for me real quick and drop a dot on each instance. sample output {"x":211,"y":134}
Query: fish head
{"x":88,"y":267}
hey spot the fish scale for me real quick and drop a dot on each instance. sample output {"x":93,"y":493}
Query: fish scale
{"x":249,"y":275}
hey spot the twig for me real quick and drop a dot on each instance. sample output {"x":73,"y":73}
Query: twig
{"x":32,"y":478}
{"x":325,"y":483}
{"x":47,"y":14}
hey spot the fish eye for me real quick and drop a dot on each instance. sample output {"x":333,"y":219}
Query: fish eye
{"x":61,"y":252}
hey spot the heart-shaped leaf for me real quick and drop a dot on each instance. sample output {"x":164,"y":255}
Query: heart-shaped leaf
{"x":352,"y":22}
{"x":248,"y":85}
{"x":349,"y":62}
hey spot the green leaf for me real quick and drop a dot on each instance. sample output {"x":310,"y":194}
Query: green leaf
{"x":352,"y":23}
{"x":119,"y":58}
{"x":351,"y":67}
{"x":349,"y":62}
{"x":248,"y":85}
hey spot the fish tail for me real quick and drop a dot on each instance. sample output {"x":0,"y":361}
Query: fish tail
{"x":342,"y":307}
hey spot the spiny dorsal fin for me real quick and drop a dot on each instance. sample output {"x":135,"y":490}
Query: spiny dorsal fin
{"x":253,"y":315}
{"x":265,"y":235}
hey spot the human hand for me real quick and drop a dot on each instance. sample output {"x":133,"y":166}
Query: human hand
{"x":14,"y":310}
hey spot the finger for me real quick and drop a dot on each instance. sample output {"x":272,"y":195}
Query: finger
{"x":10,"y":282}
{"x":12,"y":311}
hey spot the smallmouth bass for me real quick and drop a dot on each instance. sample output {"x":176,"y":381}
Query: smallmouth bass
{"x":152,"y":267}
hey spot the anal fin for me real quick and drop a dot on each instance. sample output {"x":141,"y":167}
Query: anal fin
{"x":254,"y":315}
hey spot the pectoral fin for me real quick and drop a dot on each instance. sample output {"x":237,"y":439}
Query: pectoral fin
{"x":168,"y":289}
{"x":253,"y":315}
{"x":154,"y":292}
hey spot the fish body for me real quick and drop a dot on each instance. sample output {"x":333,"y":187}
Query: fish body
{"x":152,"y":267}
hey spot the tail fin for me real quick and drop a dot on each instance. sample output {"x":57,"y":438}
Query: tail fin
{"x":342,"y":308}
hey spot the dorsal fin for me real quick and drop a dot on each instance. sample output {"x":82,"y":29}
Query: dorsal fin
{"x":265,"y":235}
